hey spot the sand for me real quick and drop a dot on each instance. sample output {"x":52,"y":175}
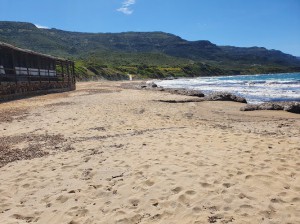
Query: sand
{"x":104,"y":154}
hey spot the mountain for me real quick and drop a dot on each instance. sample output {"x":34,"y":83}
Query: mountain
{"x":145,"y":54}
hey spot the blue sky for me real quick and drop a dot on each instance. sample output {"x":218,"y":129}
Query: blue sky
{"x":274,"y":24}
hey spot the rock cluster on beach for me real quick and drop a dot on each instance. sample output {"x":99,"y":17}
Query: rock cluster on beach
{"x":186,"y":92}
{"x":215,"y":96}
{"x":293,"y":107}
{"x":225,"y":96}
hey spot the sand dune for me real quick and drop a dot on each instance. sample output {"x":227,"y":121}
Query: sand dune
{"x":113,"y":155}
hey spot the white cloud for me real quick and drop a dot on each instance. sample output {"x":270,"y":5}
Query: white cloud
{"x":126,"y":7}
{"x":41,"y":27}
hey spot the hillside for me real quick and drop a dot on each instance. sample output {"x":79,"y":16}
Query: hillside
{"x":145,"y":54}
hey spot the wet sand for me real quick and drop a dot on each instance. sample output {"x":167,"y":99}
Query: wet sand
{"x":104,"y":154}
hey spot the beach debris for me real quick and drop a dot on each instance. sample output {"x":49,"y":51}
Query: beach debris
{"x":216,"y":96}
{"x":213,"y":219}
{"x":117,"y":176}
{"x":293,"y":107}
{"x":35,"y":146}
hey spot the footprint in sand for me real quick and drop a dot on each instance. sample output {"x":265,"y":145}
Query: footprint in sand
{"x":205,"y":185}
{"x":26,"y":185}
{"x":176,"y":190}
{"x":190,"y":192}
{"x":134,"y":202}
{"x":27,"y":219}
{"x":184,"y":200}
{"x":227,"y":185}
{"x":246,"y":206}
{"x":62,"y":199}
{"x":196,"y":209}
{"x":149,"y":183}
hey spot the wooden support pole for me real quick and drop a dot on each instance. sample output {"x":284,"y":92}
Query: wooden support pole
{"x":14,"y":65}
{"x":68,"y":71}
{"x":62,"y":69}
{"x":38,"y":63}
{"x":27,"y":66}
{"x":73,"y":72}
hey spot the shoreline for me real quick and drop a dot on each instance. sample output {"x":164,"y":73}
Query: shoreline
{"x":107,"y":153}
{"x":288,"y":106}
{"x":257,"y":89}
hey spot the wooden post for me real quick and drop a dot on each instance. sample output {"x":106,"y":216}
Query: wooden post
{"x":48,"y":63}
{"x":55,"y":68}
{"x":62,"y":70}
{"x":68,"y":71}
{"x":39,"y":66}
{"x":73,"y":72}
{"x":27,"y":66}
{"x":14,"y":65}
{"x":1,"y":63}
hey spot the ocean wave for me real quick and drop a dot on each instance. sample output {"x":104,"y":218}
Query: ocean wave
{"x":255,"y":88}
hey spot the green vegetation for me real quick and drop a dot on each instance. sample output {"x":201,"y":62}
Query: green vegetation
{"x":145,"y":55}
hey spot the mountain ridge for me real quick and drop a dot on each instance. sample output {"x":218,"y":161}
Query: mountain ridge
{"x":130,"y":49}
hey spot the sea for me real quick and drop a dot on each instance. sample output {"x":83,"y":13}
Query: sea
{"x":255,"y":88}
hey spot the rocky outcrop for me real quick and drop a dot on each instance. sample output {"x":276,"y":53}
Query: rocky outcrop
{"x":150,"y":84}
{"x":215,"y":96}
{"x":293,"y":107}
{"x":186,"y":92}
{"x":194,"y":100}
{"x":224,"y":96}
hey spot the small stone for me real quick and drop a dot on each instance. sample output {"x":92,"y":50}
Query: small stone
{"x":155,"y":204}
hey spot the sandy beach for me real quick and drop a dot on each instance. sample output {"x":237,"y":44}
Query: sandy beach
{"x":105,"y":154}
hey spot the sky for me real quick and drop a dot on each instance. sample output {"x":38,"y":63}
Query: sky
{"x":274,"y":24}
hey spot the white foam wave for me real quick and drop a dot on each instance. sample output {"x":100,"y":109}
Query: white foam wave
{"x":255,"y":89}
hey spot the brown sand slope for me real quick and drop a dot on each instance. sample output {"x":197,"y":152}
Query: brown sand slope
{"x":103,"y":154}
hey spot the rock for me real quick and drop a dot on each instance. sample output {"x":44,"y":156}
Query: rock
{"x":249,"y":107}
{"x":194,"y":100}
{"x":293,"y":107}
{"x":186,"y":92}
{"x":270,"y":106}
{"x":151,"y":84}
{"x":263,"y":106}
{"x":225,"y":96}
